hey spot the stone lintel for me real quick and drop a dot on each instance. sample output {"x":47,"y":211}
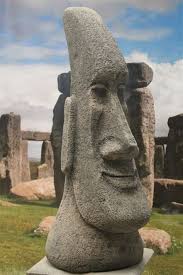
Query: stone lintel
{"x":161,"y":140}
{"x":35,"y":136}
{"x":45,"y":268}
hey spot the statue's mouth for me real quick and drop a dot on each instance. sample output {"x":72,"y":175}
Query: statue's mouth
{"x":121,"y":181}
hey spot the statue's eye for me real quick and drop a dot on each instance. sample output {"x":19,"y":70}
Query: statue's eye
{"x":99,"y":90}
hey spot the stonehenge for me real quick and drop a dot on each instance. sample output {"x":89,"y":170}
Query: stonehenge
{"x":14,"y":161}
{"x":10,"y":152}
{"x":25,"y":169}
{"x":159,"y":161}
{"x":45,"y":169}
{"x":174,"y":150}
{"x":56,"y":133}
{"x":104,"y":204}
{"x":35,"y":136}
{"x":142,"y":122}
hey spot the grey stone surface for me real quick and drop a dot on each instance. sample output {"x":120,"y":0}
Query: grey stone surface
{"x":56,"y":134}
{"x":174,"y":149}
{"x":10,"y":151}
{"x":159,"y":160}
{"x":25,"y":168}
{"x":45,"y":268}
{"x":103,"y":205}
{"x":161,"y":140}
{"x":140,"y":75}
{"x":142,"y":122}
{"x":64,"y":81}
{"x":46,"y":168}
{"x":35,"y":135}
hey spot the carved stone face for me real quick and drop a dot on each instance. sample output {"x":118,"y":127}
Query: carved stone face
{"x":106,"y":185}
{"x":98,"y":146}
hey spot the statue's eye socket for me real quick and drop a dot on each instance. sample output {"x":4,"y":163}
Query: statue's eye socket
{"x":99,"y":90}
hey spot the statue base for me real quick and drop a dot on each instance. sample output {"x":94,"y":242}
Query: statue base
{"x":45,"y":268}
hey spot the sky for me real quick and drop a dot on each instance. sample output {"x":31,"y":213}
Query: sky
{"x":33,"y":51}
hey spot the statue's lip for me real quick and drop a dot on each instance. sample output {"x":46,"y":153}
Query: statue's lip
{"x":121,"y":181}
{"x":118,"y":175}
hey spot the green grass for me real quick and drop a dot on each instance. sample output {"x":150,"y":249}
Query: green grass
{"x":20,"y":248}
{"x":172,"y":262}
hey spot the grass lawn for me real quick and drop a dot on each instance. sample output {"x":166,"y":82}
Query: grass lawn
{"x":20,"y":248}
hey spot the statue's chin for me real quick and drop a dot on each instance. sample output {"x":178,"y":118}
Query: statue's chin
{"x":121,"y":226}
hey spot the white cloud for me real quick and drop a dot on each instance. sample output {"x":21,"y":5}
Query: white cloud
{"x":31,"y":91}
{"x":18,"y":52}
{"x":166,"y":88}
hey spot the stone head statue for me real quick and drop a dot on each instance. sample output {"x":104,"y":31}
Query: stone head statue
{"x":103,"y":204}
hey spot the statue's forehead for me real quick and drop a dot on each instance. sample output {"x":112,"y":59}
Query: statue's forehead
{"x":94,"y":55}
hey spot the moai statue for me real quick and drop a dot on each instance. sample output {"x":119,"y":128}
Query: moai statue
{"x":142,"y":122}
{"x":174,"y":150}
{"x":104,"y":204}
{"x":56,"y":134}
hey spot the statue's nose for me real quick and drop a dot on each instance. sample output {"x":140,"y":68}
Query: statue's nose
{"x":114,"y":149}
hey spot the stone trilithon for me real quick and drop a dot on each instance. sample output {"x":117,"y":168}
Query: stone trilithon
{"x":103,"y":205}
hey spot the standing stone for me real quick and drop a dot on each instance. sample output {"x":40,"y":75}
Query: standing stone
{"x":142,"y":123}
{"x":25,"y":168}
{"x":174,"y":150}
{"x":104,"y":205}
{"x":10,"y":150}
{"x":56,"y":134}
{"x":46,"y":168}
{"x":159,"y":161}
{"x":5,"y":181}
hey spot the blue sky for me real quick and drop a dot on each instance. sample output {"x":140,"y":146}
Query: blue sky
{"x":160,"y":33}
{"x":155,"y":27}
{"x":33,"y":51}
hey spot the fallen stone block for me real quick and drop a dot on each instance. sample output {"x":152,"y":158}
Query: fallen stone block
{"x":41,"y":189}
{"x":156,"y":239}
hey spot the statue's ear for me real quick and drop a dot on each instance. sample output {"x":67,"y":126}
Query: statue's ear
{"x":67,"y":154}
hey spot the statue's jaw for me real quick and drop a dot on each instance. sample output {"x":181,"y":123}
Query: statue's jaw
{"x":114,"y":205}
